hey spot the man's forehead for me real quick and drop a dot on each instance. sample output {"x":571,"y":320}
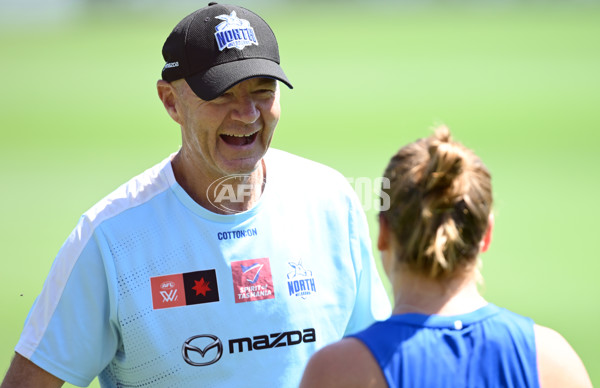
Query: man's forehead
{"x":183,"y":87}
{"x":252,"y":83}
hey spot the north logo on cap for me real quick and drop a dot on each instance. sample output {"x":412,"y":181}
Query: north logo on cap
{"x":234,"y":32}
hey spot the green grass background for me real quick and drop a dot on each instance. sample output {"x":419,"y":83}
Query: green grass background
{"x":519,"y":84}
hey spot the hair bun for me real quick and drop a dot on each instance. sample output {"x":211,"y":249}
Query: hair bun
{"x":445,"y":162}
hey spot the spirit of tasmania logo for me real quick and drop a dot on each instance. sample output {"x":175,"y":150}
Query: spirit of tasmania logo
{"x":234,"y":32}
{"x":184,"y":289}
{"x":252,"y":280}
{"x":301,"y":282}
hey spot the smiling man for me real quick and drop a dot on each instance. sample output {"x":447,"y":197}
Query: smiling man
{"x":229,"y":263}
{"x":225,"y":136}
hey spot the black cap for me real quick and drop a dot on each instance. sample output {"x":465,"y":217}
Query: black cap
{"x":218,"y":46}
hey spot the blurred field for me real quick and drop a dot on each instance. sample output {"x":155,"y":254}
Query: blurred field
{"x":521,"y":85}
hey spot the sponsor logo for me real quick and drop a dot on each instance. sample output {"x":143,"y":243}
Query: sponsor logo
{"x":252,"y":280}
{"x":252,"y":269}
{"x":237,"y":234}
{"x":234,"y":32}
{"x":301,"y":282}
{"x":275,"y":340}
{"x":184,"y":289}
{"x":207,"y":349}
{"x":195,"y":355}
{"x":171,"y":65}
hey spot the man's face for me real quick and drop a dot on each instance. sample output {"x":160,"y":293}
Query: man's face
{"x":230,"y":134}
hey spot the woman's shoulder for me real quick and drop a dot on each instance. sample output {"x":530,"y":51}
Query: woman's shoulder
{"x":558,"y":363}
{"x":346,"y":363}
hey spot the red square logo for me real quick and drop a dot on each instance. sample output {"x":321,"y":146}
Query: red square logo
{"x":252,"y":280}
{"x":184,"y":289}
{"x":167,"y":291}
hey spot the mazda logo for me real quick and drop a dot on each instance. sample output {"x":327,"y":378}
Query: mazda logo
{"x":196,"y":347}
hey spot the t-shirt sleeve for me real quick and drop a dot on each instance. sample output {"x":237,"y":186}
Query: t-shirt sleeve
{"x":71,"y":330}
{"x":372,"y":302}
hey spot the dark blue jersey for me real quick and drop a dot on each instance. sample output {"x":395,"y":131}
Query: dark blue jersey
{"x":490,"y":347}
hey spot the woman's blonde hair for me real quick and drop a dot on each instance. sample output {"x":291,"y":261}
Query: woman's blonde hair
{"x":440,"y":201}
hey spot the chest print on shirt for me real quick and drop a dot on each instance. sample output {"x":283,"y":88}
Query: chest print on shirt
{"x":300,"y":280}
{"x":252,"y":280}
{"x":184,"y":289}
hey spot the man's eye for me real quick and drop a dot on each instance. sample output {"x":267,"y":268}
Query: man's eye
{"x":265,"y":91}
{"x":223,"y":97}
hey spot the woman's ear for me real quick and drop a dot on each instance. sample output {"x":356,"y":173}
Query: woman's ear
{"x":387,"y":247}
{"x":487,"y":237}
{"x":383,"y":239}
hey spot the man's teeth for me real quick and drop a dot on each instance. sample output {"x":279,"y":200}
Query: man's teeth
{"x":239,"y":135}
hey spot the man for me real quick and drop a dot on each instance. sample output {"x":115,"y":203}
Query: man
{"x":226,"y":265}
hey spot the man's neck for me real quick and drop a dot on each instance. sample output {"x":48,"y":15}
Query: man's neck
{"x":231,"y":194}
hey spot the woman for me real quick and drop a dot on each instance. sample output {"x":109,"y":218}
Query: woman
{"x":442,"y":332}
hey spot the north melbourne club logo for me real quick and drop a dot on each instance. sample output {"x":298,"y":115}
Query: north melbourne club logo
{"x":184,"y":289}
{"x":234,"y":32}
{"x":301,"y":282}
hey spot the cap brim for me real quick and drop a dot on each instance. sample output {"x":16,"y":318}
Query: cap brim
{"x":215,"y":81}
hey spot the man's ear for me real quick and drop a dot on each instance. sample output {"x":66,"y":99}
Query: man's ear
{"x":383,"y":239}
{"x":487,"y":237}
{"x":168,"y":96}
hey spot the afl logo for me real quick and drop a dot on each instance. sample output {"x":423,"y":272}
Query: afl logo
{"x":167,"y":285}
{"x":196,"y":348}
{"x":235,"y":188}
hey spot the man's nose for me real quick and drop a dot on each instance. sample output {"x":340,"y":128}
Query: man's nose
{"x":246,"y":110}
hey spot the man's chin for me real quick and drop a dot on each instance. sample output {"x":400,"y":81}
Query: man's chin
{"x":242,"y":166}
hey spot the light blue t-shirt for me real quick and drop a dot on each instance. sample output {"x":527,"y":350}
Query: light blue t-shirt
{"x":152,"y":290}
{"x":489,"y":347}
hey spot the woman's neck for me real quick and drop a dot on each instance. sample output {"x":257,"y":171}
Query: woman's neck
{"x":414,"y":293}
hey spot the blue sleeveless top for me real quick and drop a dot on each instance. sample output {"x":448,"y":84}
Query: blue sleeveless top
{"x":489,"y":347}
